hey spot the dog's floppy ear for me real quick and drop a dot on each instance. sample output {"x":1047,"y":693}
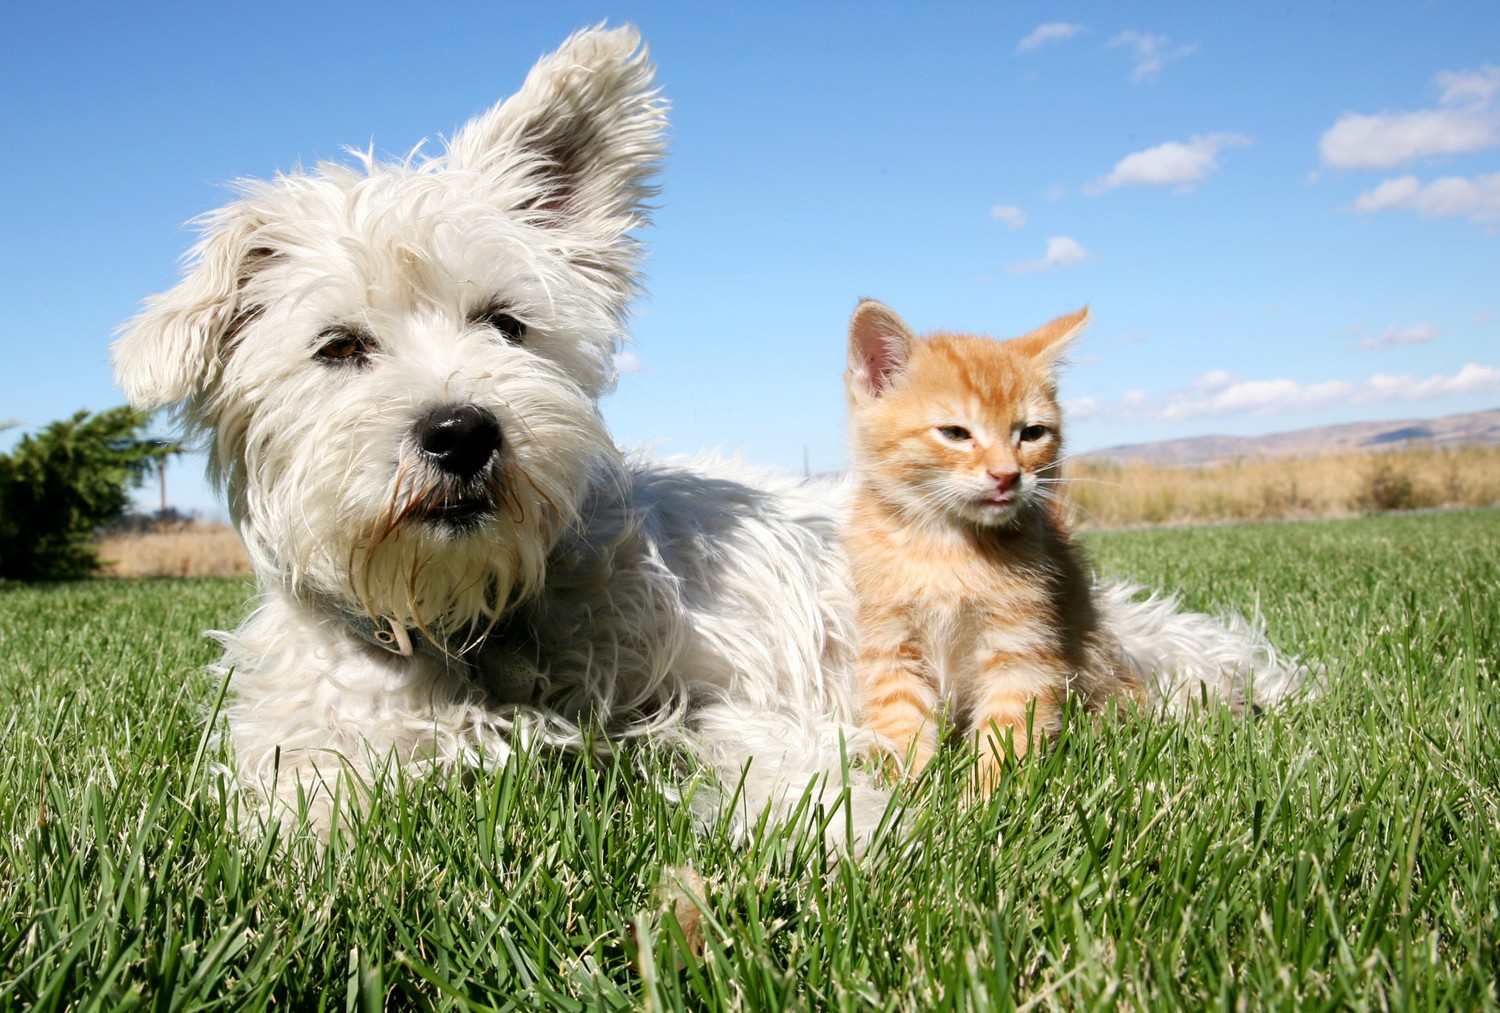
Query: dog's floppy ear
{"x":174,"y":348}
{"x":577,"y":145}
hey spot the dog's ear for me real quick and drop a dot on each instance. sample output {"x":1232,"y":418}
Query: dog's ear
{"x":174,"y":348}
{"x":576,"y":147}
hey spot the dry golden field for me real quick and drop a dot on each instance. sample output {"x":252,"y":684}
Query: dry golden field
{"x":1115,"y":495}
{"x":1104,"y":495}
{"x":178,"y":550}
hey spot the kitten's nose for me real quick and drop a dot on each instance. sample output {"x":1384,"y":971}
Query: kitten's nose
{"x":459,"y":438}
{"x":1004,"y":480}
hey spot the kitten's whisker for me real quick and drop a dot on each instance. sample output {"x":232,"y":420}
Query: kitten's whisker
{"x":1085,"y":513}
{"x":1083,"y":481}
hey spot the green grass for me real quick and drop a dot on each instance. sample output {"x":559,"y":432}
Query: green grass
{"x":1337,"y":853}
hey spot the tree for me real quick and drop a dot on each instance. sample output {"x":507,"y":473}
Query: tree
{"x":59,"y":487}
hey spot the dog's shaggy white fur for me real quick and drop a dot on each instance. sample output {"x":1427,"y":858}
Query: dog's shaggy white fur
{"x":396,"y":370}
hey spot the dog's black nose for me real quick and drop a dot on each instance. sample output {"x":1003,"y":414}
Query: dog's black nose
{"x":459,"y":438}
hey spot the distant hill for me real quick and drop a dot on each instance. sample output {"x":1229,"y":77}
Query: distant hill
{"x":1448,"y":431}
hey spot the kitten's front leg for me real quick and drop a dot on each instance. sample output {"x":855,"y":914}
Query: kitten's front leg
{"x":899,"y":694}
{"x":1020,"y":699}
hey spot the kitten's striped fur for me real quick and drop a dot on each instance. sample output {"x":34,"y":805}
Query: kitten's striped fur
{"x":974,"y":608}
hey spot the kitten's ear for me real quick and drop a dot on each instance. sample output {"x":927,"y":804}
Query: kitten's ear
{"x":879,"y":346}
{"x":1046,"y":344}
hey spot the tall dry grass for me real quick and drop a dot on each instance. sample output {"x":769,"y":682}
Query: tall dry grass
{"x":1108,"y":494}
{"x":1104,"y":495}
{"x":179,"y":550}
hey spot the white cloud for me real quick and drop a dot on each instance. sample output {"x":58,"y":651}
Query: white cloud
{"x":1476,"y":199}
{"x":1466,"y":121}
{"x":1400,"y":334}
{"x":1209,"y":396}
{"x":1461,"y":86}
{"x":1176,"y":164}
{"x":1056,"y":31}
{"x":628,"y":363}
{"x":1214,"y":379}
{"x":1084,"y":407}
{"x":1012,"y":216}
{"x":1385,"y":141}
{"x":1150,"y":53}
{"x":1062,"y":251}
{"x":1393,"y":193}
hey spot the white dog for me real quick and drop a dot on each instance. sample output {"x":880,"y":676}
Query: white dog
{"x":396,"y":371}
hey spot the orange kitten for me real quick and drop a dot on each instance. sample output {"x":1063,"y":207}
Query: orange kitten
{"x":973,"y":602}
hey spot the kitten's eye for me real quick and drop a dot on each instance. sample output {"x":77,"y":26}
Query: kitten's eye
{"x":956,"y":434}
{"x":1033,"y":433}
{"x":342,"y":346}
{"x":506,"y":325}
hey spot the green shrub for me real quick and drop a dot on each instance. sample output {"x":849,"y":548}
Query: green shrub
{"x":1386,"y":487}
{"x":60,"y":486}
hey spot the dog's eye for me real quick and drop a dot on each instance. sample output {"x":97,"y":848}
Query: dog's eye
{"x":343,"y":346}
{"x":956,"y":434}
{"x":1033,"y":433}
{"x":505,"y":324}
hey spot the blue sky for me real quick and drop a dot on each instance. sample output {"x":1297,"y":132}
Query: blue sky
{"x":1282,"y":215}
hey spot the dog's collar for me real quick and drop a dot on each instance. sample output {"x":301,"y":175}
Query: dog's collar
{"x":389,"y":635}
{"x":385,"y":633}
{"x":503,"y":660}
